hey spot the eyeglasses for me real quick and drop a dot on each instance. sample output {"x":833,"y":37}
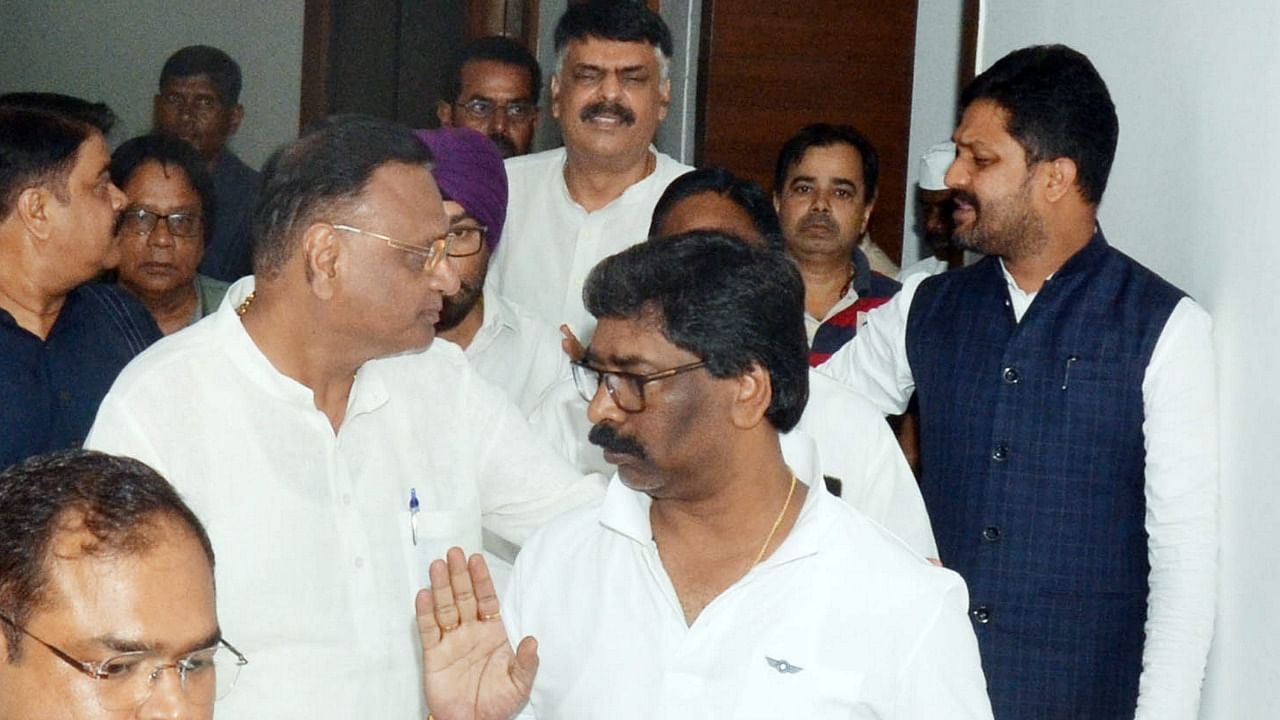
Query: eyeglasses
{"x":467,"y":240}
{"x":141,"y":221}
{"x":431,"y":255}
{"x":128,"y":679}
{"x":516,"y":112}
{"x":624,"y":388}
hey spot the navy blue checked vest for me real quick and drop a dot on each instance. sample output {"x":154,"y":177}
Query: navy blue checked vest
{"x":1033,"y":472}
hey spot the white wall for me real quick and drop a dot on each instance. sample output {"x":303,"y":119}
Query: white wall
{"x":1193,"y":196}
{"x":934,"y":92}
{"x":113,"y":51}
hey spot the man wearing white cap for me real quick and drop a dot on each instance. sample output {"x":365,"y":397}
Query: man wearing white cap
{"x":935,"y":212}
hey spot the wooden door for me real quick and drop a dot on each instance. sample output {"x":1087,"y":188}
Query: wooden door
{"x":768,"y":68}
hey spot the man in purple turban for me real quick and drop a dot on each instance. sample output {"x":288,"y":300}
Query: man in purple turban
{"x":507,"y":345}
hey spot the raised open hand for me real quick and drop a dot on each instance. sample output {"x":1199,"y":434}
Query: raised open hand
{"x":469,"y":670}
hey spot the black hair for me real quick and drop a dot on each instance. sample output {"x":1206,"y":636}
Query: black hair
{"x":119,"y":501}
{"x":744,"y":193}
{"x":617,"y":20}
{"x":169,"y":152}
{"x":324,"y":170}
{"x":498,"y":49}
{"x":1057,"y":106}
{"x":825,"y":135}
{"x":731,"y":304}
{"x":95,"y":114}
{"x":37,"y":149}
{"x":193,"y":60}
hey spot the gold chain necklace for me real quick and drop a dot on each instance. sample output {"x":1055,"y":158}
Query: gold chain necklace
{"x":243,"y":307}
{"x":776,"y":523}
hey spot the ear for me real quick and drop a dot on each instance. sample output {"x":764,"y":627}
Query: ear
{"x":34,"y":210}
{"x":1060,"y":178}
{"x":555,"y":96}
{"x":866,"y":212}
{"x":664,"y":91}
{"x":444,"y":113}
{"x":321,"y":252}
{"x":237,"y":116}
{"x":753,"y":394}
{"x":777,"y":205}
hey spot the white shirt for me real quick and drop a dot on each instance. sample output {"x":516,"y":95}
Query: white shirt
{"x":517,"y":352}
{"x":843,"y":433}
{"x":866,"y":627}
{"x":1180,"y":426}
{"x":316,"y":560}
{"x":550,"y":242}
{"x":928,"y":265}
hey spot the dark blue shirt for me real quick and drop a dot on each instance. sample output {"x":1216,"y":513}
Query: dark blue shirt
{"x":229,"y":254}
{"x":50,"y":389}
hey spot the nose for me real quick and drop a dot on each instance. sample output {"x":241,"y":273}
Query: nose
{"x":498,"y":121}
{"x":820,"y":202}
{"x":118,"y":198}
{"x":167,"y":700}
{"x":957,"y":176}
{"x":610,"y":86}
{"x":444,"y":277}
{"x":602,"y":407}
{"x":160,"y":235}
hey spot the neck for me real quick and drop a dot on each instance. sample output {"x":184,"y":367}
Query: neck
{"x":593,"y":183}
{"x":172,"y":308}
{"x":826,"y":280}
{"x":290,"y":331}
{"x":1064,"y":240}
{"x":32,"y":303}
{"x":464,"y":332}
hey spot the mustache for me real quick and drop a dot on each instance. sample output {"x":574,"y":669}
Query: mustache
{"x":966,"y":197}
{"x":609,"y":439}
{"x":506,"y":148}
{"x":604,"y":107}
{"x":814,"y":219}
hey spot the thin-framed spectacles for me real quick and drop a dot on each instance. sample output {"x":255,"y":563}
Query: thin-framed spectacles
{"x":517,"y":111}
{"x":624,"y":388}
{"x":141,"y":221}
{"x":467,"y":240}
{"x":127,"y":680}
{"x":431,"y":255}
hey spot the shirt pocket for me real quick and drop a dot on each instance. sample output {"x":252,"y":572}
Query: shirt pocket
{"x":436,"y":532}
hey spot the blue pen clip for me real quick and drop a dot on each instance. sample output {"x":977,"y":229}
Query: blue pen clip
{"x":413,"y":513}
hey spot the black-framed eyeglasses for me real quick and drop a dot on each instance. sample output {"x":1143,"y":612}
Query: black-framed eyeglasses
{"x":128,"y":679}
{"x":431,"y":255}
{"x":467,"y":240}
{"x":624,"y":388}
{"x":141,"y":221}
{"x":517,"y":111}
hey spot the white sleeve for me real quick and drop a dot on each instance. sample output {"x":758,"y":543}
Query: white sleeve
{"x":943,"y":677}
{"x":117,"y":431}
{"x":903,"y":509}
{"x":874,"y":363}
{"x":1181,"y":426}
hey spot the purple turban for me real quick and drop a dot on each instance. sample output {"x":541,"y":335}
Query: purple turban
{"x":469,"y":171}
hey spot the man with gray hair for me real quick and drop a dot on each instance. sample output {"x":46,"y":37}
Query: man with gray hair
{"x":574,"y":205}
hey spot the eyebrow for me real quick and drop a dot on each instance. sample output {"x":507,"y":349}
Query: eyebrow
{"x":619,"y":361}
{"x":123,"y":645}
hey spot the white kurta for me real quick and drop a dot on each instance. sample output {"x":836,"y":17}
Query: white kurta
{"x":316,"y":558}
{"x":516,"y":352}
{"x":841,"y":621}
{"x":550,"y":243}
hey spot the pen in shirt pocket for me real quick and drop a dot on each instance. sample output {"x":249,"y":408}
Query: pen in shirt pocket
{"x":413,"y":513}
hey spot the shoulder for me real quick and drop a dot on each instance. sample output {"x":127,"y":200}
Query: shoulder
{"x":124,"y":314}
{"x":668,"y":168}
{"x":171,"y":362}
{"x":525,"y":168}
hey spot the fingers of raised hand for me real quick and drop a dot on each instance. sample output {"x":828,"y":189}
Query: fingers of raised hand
{"x":487,"y":606}
{"x":445,"y":607}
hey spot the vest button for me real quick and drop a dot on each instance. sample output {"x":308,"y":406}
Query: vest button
{"x":991,"y":534}
{"x":1000,"y":453}
{"x":981,"y":614}
{"x":1011,"y":376}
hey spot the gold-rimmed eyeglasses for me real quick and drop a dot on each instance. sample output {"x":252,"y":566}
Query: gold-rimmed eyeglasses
{"x":624,"y":388}
{"x":127,"y":680}
{"x":431,"y":254}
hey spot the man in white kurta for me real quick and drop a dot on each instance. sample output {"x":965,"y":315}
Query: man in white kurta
{"x":573,"y":206}
{"x":324,"y":520}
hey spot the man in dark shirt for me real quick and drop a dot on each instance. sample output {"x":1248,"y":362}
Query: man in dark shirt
{"x":62,"y":342}
{"x":199,"y":102}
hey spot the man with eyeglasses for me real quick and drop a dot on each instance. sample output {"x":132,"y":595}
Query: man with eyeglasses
{"x":507,"y":345}
{"x":106,"y":595}
{"x":331,"y":448}
{"x":198,"y":101}
{"x":163,"y":230}
{"x":493,"y":87}
{"x":717,"y":579}
{"x":575,"y":205}
{"x":63,"y":338}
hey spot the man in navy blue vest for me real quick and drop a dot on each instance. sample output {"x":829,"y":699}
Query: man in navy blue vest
{"x":1067,"y":413}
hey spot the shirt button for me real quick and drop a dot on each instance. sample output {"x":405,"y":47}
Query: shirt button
{"x":359,"y":562}
{"x":64,"y":397}
{"x":991,"y":534}
{"x":1000,"y":453}
{"x":981,"y":614}
{"x":1011,"y":376}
